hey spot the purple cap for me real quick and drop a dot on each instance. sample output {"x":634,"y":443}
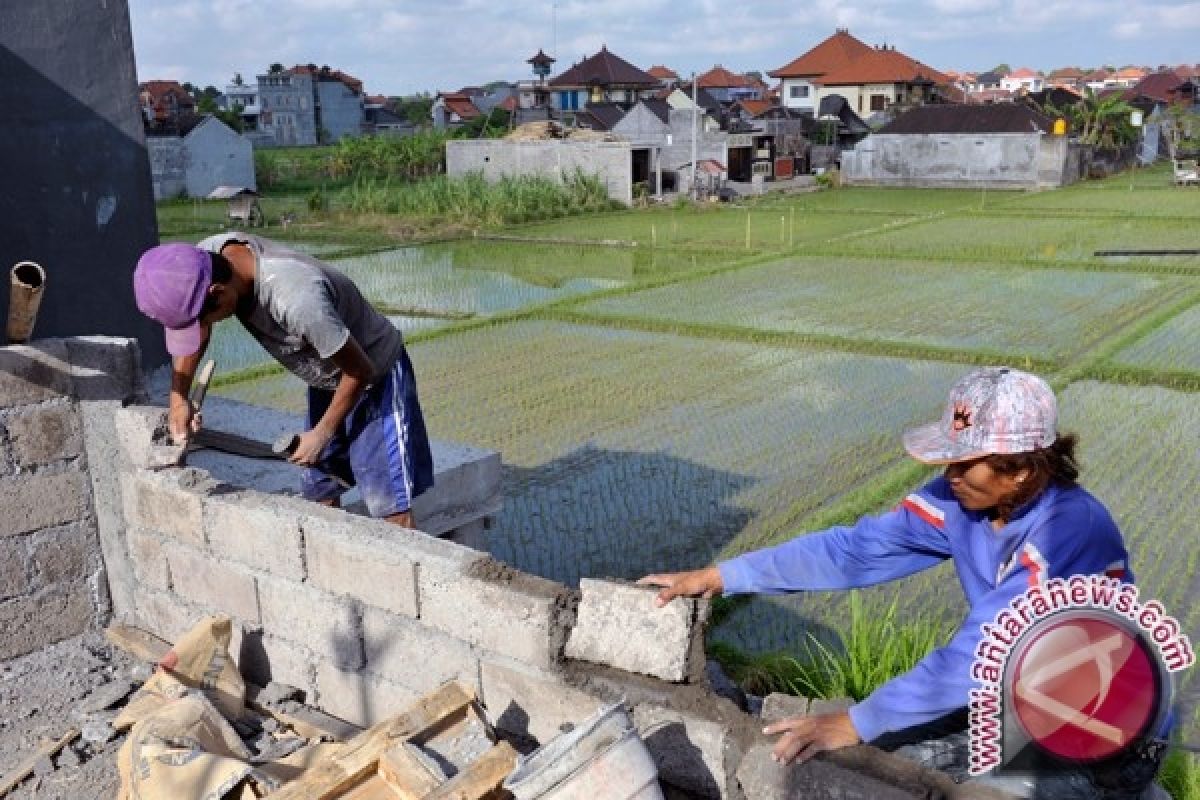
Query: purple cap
{"x":170,"y":282}
{"x":991,"y":410}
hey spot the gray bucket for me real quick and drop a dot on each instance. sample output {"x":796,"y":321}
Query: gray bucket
{"x":603,"y":758}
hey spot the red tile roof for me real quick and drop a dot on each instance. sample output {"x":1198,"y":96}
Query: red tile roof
{"x":755,"y":107}
{"x":1157,"y":86}
{"x":882,"y":66}
{"x":509,"y":104}
{"x":1097,"y":75}
{"x":1023,"y":72}
{"x":460,"y":105}
{"x":604,"y":69}
{"x":720,"y":78}
{"x":1131,"y":73}
{"x":663,"y":73}
{"x":1066,"y":74}
{"x":835,"y":52}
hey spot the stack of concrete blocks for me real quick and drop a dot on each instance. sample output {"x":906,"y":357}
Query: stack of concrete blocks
{"x":362,"y":615}
{"x":52,"y":583}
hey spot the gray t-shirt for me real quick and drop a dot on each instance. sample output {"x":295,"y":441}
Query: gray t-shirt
{"x":304,"y":312}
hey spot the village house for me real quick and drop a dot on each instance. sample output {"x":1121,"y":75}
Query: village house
{"x":307,"y":105}
{"x":241,"y":97}
{"x":1066,"y":78}
{"x":192,"y":155}
{"x":883,"y":80}
{"x":668,"y":77}
{"x":602,"y":78}
{"x":1023,"y":80}
{"x":799,"y":77}
{"x":164,"y":100}
{"x":452,"y":109}
{"x":337,"y":103}
{"x":729,"y":87}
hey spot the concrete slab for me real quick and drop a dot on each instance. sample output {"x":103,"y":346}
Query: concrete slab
{"x":466,"y":479}
{"x":619,"y":625}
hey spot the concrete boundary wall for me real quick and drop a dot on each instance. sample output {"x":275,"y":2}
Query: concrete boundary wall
{"x":991,"y":161}
{"x":611,"y":162}
{"x":363,"y":616}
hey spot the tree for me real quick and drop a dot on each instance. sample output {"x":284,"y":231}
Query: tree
{"x":1103,"y":122}
{"x":754,"y":75}
{"x":417,"y":109}
{"x":1001,"y":69}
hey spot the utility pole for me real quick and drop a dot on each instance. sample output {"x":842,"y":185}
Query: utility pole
{"x":695,"y":118}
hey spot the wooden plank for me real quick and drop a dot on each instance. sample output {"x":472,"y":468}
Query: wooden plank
{"x":404,"y":772}
{"x":481,"y":778}
{"x":360,"y":758}
{"x":26,"y":768}
{"x":141,"y":644}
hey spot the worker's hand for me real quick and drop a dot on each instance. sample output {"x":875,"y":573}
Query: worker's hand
{"x":311,"y":446}
{"x":804,"y":737}
{"x":697,"y":583}
{"x":183,"y":421}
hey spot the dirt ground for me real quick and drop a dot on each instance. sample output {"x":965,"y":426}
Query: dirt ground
{"x":73,"y":684}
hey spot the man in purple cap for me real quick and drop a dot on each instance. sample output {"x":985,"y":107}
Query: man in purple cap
{"x":362,"y":394}
{"x":1007,"y":510}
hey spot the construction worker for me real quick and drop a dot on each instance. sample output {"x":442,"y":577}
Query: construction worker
{"x":362,"y":393}
{"x":1008,"y":511}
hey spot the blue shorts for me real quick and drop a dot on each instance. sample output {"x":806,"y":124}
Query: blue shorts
{"x":382,"y":440}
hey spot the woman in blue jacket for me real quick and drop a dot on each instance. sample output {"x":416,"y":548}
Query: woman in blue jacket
{"x":1008,"y":511}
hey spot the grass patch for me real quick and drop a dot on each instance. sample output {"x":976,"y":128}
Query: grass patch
{"x":871,"y":647}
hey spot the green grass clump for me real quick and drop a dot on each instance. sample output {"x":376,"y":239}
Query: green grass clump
{"x":1180,"y":775}
{"x":872,"y":647}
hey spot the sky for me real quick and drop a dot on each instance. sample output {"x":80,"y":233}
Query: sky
{"x":400,"y":47}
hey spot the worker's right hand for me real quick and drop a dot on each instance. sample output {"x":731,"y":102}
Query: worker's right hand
{"x":697,"y":583}
{"x":183,"y":421}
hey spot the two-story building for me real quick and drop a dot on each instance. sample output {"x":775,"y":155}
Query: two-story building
{"x":800,"y":77}
{"x":728,"y":87}
{"x":163,"y":101}
{"x":883,"y":80}
{"x":285,"y":109}
{"x":602,"y":78}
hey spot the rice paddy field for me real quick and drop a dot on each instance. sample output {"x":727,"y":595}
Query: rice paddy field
{"x":673,"y":386}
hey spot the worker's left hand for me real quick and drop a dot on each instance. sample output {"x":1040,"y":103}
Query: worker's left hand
{"x":804,"y":737}
{"x":311,"y":446}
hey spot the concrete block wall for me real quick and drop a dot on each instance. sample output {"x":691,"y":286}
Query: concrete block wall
{"x":612,"y":162}
{"x":362,"y":615}
{"x":51,"y":571}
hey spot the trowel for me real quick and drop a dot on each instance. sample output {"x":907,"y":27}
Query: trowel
{"x":164,"y":450}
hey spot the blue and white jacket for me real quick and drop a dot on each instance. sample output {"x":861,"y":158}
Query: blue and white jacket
{"x":1063,"y":532}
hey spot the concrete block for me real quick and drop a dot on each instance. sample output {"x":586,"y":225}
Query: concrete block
{"x":777,"y":706}
{"x":263,"y":658}
{"x":51,"y":615}
{"x":14,"y":572}
{"x":619,"y":625}
{"x":34,"y":373}
{"x":211,"y":583}
{"x":692,"y":753}
{"x":532,"y":702}
{"x":164,"y":614}
{"x":148,"y":558}
{"x":414,"y":655}
{"x":372,"y":562}
{"x":360,"y":697}
{"x":251,"y":529}
{"x":170,"y":502}
{"x":105,"y":368}
{"x":819,"y":706}
{"x":141,"y":433}
{"x":498,"y":609}
{"x":763,"y":779}
{"x":66,"y":554}
{"x":44,"y":434}
{"x":33,"y":502}
{"x":325,"y":623}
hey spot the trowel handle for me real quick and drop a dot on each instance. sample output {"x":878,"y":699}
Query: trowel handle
{"x":286,"y":444}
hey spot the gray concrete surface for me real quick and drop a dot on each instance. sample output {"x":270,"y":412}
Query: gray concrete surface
{"x":612,"y":162}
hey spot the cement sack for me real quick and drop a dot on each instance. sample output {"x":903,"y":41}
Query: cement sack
{"x":199,"y":660}
{"x":185,"y":750}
